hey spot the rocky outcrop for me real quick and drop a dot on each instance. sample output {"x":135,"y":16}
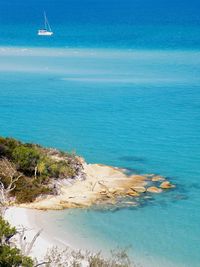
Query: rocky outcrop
{"x":154,"y":189}
{"x":103,"y":185}
{"x":132,"y":193}
{"x":166,"y":185}
{"x":157,"y":178}
{"x":139,"y":189}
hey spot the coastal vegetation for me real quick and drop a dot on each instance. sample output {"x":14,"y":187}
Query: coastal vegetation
{"x":46,"y":178}
{"x":73,"y":258}
{"x":29,"y":170}
{"x":10,"y":255}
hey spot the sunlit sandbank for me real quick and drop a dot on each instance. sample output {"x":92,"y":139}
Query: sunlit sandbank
{"x":103,"y":65}
{"x":107,"y":52}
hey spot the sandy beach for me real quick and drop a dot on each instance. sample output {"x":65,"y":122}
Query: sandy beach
{"x":103,"y":184}
{"x":19,"y":217}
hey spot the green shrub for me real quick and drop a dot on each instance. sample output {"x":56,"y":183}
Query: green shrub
{"x":27,"y":190}
{"x":36,"y":165}
{"x":61,"y":170}
{"x":5,"y":230}
{"x":10,"y":257}
{"x":26,"y":158}
{"x":7,"y":145}
{"x":54,"y":169}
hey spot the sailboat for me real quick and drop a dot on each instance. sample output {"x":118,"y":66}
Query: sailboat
{"x":47,"y":29}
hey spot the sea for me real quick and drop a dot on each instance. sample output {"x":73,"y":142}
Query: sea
{"x":119,"y":84}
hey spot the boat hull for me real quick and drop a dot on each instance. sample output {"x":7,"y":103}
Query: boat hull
{"x":45,"y":33}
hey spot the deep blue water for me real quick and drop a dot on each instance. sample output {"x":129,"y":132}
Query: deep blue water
{"x":119,"y":84}
{"x":106,"y":23}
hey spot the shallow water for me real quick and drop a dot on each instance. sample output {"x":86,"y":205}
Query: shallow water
{"x":137,"y":109}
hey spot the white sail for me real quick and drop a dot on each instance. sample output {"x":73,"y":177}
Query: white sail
{"x":47,"y":28}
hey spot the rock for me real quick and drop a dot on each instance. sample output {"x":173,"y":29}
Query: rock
{"x":103,"y":192}
{"x":132,"y":193}
{"x":112,"y":191}
{"x":154,"y":189}
{"x":139,"y":189}
{"x":150,"y":175}
{"x":109,"y":196}
{"x":110,"y":202}
{"x":157,"y":178}
{"x":119,"y":191}
{"x":138,"y":178}
{"x":166,"y":185}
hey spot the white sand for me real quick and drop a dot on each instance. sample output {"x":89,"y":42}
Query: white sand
{"x":23,"y":217}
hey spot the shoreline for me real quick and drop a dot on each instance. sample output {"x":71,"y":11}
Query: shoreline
{"x":18,"y":217}
{"x":103,"y":185}
{"x":33,"y":221}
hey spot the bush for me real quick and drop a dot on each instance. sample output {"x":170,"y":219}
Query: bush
{"x":36,"y":166}
{"x":7,"y":145}
{"x":72,"y":258}
{"x":10,"y":256}
{"x":6,"y":231}
{"x":26,"y":158}
{"x":27,"y":190}
{"x":54,"y":169}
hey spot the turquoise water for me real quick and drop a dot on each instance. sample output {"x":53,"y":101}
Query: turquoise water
{"x":119,"y":84}
{"x":138,"y":109}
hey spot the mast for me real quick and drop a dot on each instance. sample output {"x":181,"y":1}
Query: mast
{"x":46,"y":23}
